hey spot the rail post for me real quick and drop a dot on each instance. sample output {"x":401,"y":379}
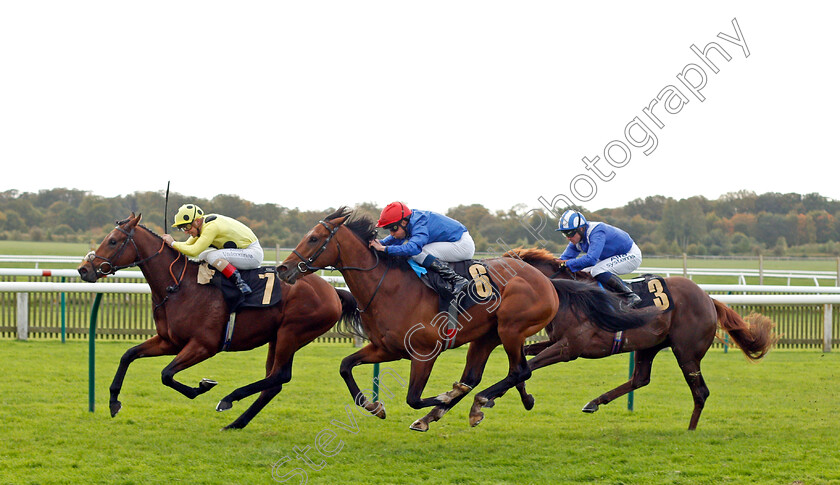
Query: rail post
{"x":827,"y":320}
{"x":22,"y":316}
{"x":632,"y":368}
{"x":375,"y":381}
{"x":760,"y":269}
{"x":63,"y":313}
{"x":92,"y":351}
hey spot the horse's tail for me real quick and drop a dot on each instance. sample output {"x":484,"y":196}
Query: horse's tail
{"x":753,"y":335}
{"x":350,"y":322}
{"x":601,"y":307}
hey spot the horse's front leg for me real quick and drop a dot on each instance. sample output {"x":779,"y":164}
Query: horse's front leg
{"x":477,"y":355}
{"x":369,"y":354}
{"x":153,"y":347}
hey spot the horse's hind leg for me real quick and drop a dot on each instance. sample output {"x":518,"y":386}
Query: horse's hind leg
{"x":518,"y":372}
{"x":265,"y":396}
{"x":278,"y":372}
{"x":690,"y":366}
{"x":641,"y":378}
{"x":153,"y":347}
{"x":477,"y":355}
{"x":191,"y":354}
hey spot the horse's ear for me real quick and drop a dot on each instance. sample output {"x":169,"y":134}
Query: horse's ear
{"x":133,"y":220}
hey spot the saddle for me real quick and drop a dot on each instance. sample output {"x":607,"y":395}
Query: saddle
{"x":481,"y":289}
{"x":653,"y":292}
{"x":264,"y":283}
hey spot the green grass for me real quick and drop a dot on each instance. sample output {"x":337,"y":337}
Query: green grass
{"x":771,"y":422}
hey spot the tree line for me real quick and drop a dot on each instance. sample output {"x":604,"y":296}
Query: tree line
{"x":737,"y":223}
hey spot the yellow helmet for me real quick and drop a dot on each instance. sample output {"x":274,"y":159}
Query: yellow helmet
{"x":187,"y":213}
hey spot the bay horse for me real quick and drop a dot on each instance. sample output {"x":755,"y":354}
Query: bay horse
{"x":689,"y":329}
{"x":400,"y":314}
{"x":191,"y":318}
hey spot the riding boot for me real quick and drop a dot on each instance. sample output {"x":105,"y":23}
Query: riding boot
{"x":231,"y":273}
{"x":617,"y":285}
{"x":236,"y":278}
{"x":455,"y":280}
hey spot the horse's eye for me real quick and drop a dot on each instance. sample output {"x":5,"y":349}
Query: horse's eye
{"x":112,"y":242}
{"x":313,"y":239}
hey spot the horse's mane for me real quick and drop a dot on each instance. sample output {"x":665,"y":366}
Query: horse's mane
{"x":365,"y":229}
{"x":125,"y":221}
{"x":533,"y":256}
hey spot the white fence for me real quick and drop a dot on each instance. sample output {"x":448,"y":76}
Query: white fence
{"x":740,"y":275}
{"x":745,"y":294}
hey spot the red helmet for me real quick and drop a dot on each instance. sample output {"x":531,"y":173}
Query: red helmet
{"x":392,"y":213}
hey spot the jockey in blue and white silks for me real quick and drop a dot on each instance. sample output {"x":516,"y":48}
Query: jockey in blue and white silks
{"x":602,"y":250}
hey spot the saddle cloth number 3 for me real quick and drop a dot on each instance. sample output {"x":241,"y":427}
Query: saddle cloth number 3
{"x":660,"y":299}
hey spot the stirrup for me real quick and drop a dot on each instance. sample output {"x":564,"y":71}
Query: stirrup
{"x":459,"y":285}
{"x":243,"y":287}
{"x":633,"y":300}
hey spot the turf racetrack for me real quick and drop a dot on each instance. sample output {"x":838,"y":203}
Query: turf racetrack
{"x":772,"y":422}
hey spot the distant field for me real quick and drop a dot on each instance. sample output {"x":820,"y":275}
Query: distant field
{"x":44,"y":248}
{"x":271,"y":255}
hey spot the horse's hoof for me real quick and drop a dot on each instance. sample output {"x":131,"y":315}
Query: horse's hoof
{"x":380,"y":413}
{"x":207,"y":384}
{"x":528,"y":402}
{"x":115,"y":407}
{"x":590,"y":407}
{"x":489,"y":404}
{"x":375,"y":408}
{"x":223,"y":406}
{"x":476,"y":419}
{"x":419,"y":426}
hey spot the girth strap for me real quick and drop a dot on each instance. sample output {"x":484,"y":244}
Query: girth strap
{"x":229,"y":331}
{"x":616,"y":346}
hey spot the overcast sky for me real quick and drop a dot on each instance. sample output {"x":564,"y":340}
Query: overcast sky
{"x":436,"y":103}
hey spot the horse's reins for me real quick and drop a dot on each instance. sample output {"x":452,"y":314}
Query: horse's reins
{"x":563,"y":269}
{"x":305,"y":264}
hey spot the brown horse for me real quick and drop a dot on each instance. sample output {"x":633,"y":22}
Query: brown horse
{"x":401,"y":318}
{"x":191,"y":319}
{"x":689,"y":329}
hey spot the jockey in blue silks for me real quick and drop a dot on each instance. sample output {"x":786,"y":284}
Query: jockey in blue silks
{"x":430,"y":239}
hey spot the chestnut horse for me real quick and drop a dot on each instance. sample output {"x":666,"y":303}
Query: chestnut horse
{"x":688,"y":329}
{"x":191,"y":318}
{"x":400,"y":314}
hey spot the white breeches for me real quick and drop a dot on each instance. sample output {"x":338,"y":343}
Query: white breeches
{"x":450,"y":252}
{"x":248,"y":258}
{"x":620,"y":264}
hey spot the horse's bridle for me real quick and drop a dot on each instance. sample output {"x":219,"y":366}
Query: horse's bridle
{"x":111,"y":268}
{"x":305,"y":264}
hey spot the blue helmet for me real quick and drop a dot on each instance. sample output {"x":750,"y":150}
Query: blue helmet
{"x":571,"y":219}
